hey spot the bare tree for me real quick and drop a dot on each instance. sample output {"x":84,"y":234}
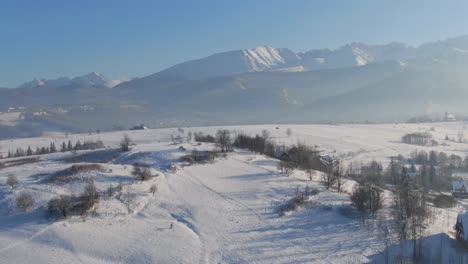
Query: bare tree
{"x":461,"y":136}
{"x":125,"y":143}
{"x":153,"y":189}
{"x":367,"y":198}
{"x":128,"y":199}
{"x":339,"y":175}
{"x":285,"y":168}
{"x":24,"y":201}
{"x":223,"y":140}
{"x":12,"y":180}
{"x":411,"y":210}
{"x":266,"y":134}
{"x":329,"y":175}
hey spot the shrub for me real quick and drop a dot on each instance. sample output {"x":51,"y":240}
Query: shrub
{"x":89,"y":197}
{"x":200,"y":157}
{"x":67,"y":205}
{"x":24,"y":201}
{"x":142,"y":173}
{"x":65,"y":176}
{"x":74,"y":169}
{"x":299,"y":198}
{"x":12,"y":180}
{"x":444,"y":201}
{"x":60,"y":206}
{"x":200,"y":137}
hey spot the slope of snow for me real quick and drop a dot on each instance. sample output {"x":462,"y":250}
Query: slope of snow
{"x":222,"y":212}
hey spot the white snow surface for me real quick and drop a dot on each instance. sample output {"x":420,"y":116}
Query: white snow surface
{"x":223,"y":212}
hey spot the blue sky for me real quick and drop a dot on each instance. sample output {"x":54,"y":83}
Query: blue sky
{"x":51,"y":38}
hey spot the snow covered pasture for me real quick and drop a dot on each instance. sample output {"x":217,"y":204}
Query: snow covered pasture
{"x":221,"y":212}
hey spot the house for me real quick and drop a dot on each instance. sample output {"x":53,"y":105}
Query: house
{"x":461,"y":232}
{"x":459,"y":188}
{"x":139,"y":127}
{"x":449,"y":117}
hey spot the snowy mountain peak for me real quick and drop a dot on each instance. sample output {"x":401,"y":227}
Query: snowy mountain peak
{"x":263,"y":57}
{"x":90,"y":79}
{"x":87,"y":80}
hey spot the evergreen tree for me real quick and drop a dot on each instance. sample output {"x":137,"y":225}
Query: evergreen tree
{"x":64,"y":147}
{"x":78,"y":145}
{"x":53,"y":148}
{"x":29,"y":152}
{"x":69,"y":146}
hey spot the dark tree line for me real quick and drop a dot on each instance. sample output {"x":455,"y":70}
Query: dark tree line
{"x":52,"y":148}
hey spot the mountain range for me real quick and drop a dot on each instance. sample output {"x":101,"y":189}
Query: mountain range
{"x":356,"y":82}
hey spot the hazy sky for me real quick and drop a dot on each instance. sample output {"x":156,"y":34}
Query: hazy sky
{"x":51,"y":38}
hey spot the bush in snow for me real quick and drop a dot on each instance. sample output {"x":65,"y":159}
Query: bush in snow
{"x":200,"y":137}
{"x":12,"y":180}
{"x":89,"y":197}
{"x":60,"y":206}
{"x":142,"y":173}
{"x":86,"y":167}
{"x":65,"y":175}
{"x":67,"y":205}
{"x":200,"y":157}
{"x":299,"y":198}
{"x":24,"y":201}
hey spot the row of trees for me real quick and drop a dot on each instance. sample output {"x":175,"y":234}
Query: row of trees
{"x":409,"y":197}
{"x":441,"y":159}
{"x":52,"y":148}
{"x":419,"y":138}
{"x":299,"y":156}
{"x":411,"y":211}
{"x":431,"y":175}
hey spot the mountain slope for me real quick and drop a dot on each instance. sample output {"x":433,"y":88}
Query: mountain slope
{"x":266,"y":85}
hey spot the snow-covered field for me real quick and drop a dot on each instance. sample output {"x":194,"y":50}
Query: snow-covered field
{"x":223,"y":212}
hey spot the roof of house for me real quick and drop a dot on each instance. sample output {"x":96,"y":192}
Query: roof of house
{"x":463,"y":218}
{"x":457,"y":185}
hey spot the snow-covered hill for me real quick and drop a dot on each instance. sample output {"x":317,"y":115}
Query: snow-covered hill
{"x":223,"y":212}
